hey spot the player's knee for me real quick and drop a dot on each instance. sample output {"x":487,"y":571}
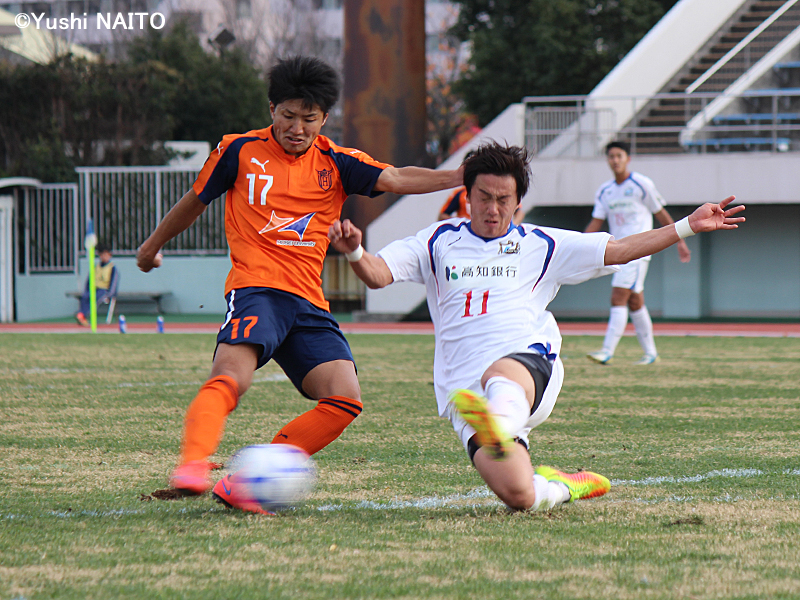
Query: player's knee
{"x":635,"y":302}
{"x":512,"y":370}
{"x":519,"y":498}
{"x":334,"y":378}
{"x":242,"y":379}
{"x":620,"y":296}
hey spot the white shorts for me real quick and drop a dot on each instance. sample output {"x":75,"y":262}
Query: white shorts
{"x":631,"y":276}
{"x":465,"y":431}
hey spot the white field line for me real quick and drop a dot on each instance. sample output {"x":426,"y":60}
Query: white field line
{"x":481,"y":493}
{"x":692,"y":478}
{"x":429,"y":502}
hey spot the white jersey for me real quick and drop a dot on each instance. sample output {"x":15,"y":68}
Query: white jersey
{"x":488,"y":297}
{"x":628,"y":206}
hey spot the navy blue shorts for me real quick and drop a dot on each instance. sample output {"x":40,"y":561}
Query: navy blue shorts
{"x":287,"y":328}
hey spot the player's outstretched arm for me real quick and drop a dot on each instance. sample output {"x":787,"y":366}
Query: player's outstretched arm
{"x":417,"y":180}
{"x":178,"y":219}
{"x":372,"y":270}
{"x":663,"y":217}
{"x":708,"y":217}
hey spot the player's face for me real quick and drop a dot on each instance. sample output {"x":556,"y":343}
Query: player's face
{"x":618,"y":161}
{"x":492,"y":200}
{"x":296,"y":126}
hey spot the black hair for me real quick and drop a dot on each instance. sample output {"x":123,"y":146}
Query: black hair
{"x":494,"y":159}
{"x":624,"y":146}
{"x":304,"y":78}
{"x":100,"y":248}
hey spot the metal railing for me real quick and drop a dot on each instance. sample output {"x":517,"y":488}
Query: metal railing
{"x":50,"y":234}
{"x":126,"y":204}
{"x":580,"y":126}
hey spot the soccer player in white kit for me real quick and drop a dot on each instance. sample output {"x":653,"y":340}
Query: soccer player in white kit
{"x":497,"y":366}
{"x":628,"y":202}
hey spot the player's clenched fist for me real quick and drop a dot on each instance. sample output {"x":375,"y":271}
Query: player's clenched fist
{"x":344,"y":236}
{"x":147,"y":261}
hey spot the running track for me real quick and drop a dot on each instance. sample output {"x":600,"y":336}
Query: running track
{"x":567,"y":328}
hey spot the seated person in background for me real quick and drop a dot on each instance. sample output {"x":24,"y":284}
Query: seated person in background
{"x":106,"y":278}
{"x":457,"y":206}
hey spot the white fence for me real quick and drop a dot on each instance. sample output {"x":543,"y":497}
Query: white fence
{"x":50,"y":230}
{"x":126,"y":204}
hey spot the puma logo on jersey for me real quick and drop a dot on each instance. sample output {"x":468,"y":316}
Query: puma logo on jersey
{"x":297,"y":226}
{"x":263,"y":165}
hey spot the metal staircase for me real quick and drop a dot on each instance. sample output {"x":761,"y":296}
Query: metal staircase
{"x":753,"y":31}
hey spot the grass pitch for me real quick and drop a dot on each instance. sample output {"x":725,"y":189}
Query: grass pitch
{"x":701,"y":450}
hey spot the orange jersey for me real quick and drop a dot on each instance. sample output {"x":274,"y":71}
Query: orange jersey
{"x":278,"y":207}
{"x":456,"y":203}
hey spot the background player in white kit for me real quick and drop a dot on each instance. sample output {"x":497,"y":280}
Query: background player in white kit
{"x":488,"y":285}
{"x":628,"y":202}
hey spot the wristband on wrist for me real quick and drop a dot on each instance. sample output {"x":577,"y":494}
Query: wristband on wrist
{"x":355,"y":255}
{"x":683,"y":228}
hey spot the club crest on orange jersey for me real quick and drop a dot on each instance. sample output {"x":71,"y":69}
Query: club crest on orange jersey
{"x":325,"y":179}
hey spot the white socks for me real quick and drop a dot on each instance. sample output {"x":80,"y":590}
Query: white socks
{"x":508,"y":403}
{"x":617,"y":321}
{"x":548,"y":493}
{"x":644,"y":330}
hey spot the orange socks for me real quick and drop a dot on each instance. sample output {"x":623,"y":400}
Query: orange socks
{"x":205,"y":419}
{"x":311,"y":431}
{"x":318,"y":427}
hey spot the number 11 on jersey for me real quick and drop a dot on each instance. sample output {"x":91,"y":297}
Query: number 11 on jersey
{"x":468,"y":304}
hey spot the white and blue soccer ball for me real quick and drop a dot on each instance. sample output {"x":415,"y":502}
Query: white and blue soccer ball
{"x":277,"y":476}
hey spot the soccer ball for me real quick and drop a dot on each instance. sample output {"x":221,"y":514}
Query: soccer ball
{"x":276,"y":476}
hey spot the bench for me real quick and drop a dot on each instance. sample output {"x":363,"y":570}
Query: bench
{"x":128,"y":298}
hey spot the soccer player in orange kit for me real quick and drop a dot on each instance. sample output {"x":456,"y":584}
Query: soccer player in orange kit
{"x":284,"y":185}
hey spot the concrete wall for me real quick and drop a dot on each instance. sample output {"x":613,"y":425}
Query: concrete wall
{"x":683,"y":179}
{"x":751,"y":272}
